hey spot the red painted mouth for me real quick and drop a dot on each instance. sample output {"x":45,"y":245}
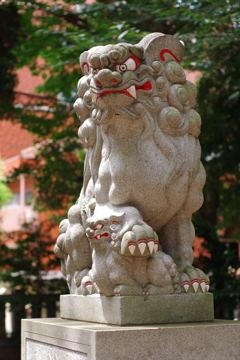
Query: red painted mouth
{"x":99,"y":236}
{"x":131,"y":91}
{"x":147,"y":86}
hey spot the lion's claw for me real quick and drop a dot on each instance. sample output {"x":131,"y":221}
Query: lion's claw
{"x":194,"y":280}
{"x":140,"y":241}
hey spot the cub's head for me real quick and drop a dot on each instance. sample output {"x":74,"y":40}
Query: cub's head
{"x":101,"y":230}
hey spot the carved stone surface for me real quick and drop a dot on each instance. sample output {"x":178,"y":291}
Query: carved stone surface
{"x":36,"y":350}
{"x":136,"y":310}
{"x":70,"y":340}
{"x":130,"y":232}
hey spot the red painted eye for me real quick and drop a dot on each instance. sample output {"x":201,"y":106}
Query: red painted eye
{"x":130,"y":64}
{"x":98,"y":227}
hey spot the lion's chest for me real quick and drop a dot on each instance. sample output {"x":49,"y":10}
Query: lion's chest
{"x":140,"y":176}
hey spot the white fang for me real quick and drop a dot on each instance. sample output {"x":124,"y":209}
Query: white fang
{"x":94,"y":97}
{"x":89,"y":289}
{"x":132,"y":91}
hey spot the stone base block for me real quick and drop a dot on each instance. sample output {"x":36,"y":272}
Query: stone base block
{"x":136,"y":310}
{"x":58,"y":339}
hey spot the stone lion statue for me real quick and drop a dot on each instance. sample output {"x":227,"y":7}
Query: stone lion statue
{"x":130,"y":232}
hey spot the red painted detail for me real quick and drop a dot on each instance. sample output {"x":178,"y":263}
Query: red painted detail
{"x":131,"y":243}
{"x":163,"y":52}
{"x":88,"y":283}
{"x":136,"y":60}
{"x":117,"y":293}
{"x":194,"y":281}
{"x":207,"y":283}
{"x":141,"y":241}
{"x":156,"y":242}
{"x":115,"y":222}
{"x":101,"y":235}
{"x":85,"y":64}
{"x":147,"y":87}
{"x":114,"y":81}
{"x":202,"y":281}
{"x":150,"y":239}
{"x":186,"y":282}
{"x":98,"y":83}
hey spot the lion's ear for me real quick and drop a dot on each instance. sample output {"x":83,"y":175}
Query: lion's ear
{"x":84,"y":63}
{"x":158,"y":46}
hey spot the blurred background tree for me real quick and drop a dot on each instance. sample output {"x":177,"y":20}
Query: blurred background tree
{"x":57,"y":33}
{"x":5,"y":192}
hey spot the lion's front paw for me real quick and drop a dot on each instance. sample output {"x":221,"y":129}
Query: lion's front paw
{"x":141,"y":240}
{"x":194,"y":280}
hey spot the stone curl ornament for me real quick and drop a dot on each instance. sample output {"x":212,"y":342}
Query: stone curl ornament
{"x":130,"y":232}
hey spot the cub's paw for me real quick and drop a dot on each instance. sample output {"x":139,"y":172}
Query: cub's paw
{"x":87,"y":286}
{"x":141,"y":240}
{"x":84,"y":283}
{"x":194,"y":280}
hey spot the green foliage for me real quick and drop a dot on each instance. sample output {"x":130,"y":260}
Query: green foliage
{"x":5,"y":193}
{"x":26,"y":257}
{"x":222,"y":268}
{"x":219,"y":106}
{"x":10,"y":21}
{"x":59,"y":32}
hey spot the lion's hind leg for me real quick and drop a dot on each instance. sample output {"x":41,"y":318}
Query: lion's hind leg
{"x":163,"y":275}
{"x":178,"y":234}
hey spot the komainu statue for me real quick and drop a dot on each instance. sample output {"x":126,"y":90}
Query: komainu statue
{"x":130,"y":232}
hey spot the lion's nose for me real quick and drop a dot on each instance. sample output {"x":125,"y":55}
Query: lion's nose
{"x":108,"y":78}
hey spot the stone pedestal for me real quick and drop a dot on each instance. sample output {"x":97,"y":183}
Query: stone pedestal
{"x":58,"y":339}
{"x":138,"y":310}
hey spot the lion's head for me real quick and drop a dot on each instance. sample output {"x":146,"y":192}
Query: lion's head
{"x":134,"y":80}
